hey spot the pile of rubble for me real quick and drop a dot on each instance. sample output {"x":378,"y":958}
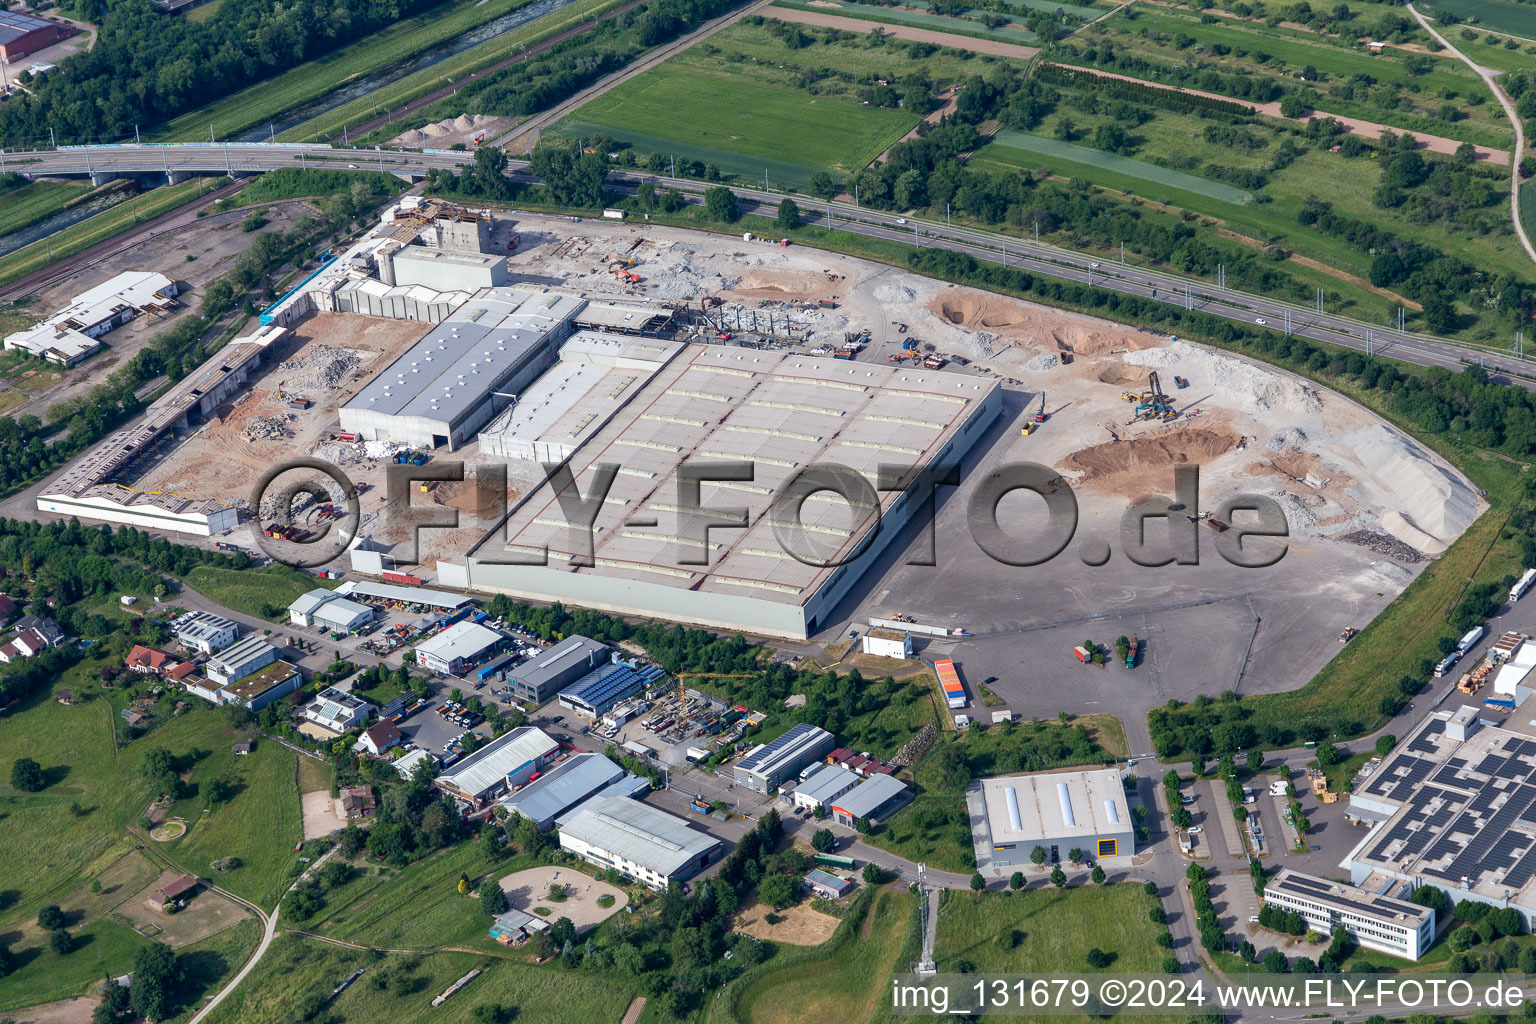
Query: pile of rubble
{"x":268,"y":428}
{"x":318,"y":367}
{"x":1384,"y":544}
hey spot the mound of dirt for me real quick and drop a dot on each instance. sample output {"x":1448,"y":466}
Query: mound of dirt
{"x":1186,"y":444}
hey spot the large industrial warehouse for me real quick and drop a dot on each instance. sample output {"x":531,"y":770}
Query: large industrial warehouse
{"x":777,"y":414}
{"x":464,"y":371}
{"x":1057,"y":811}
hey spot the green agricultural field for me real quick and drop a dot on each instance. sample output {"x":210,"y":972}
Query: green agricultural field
{"x":1106,"y":168}
{"x":419,"y":83}
{"x":729,"y":113}
{"x":846,"y":979}
{"x":914,"y":17}
{"x":39,"y":200}
{"x":1493,"y":53}
{"x":251,"y":590}
{"x":99,"y":228}
{"x":1076,"y":10}
{"x":1515,"y":19}
{"x":296,"y":967}
{"x":251,"y":107}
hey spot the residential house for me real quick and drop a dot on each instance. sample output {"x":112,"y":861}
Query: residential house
{"x":380,"y":737}
{"x":357,"y":802}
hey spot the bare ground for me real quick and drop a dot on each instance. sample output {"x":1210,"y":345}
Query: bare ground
{"x":798,"y":926}
{"x":321,"y":817}
{"x":530,"y":889}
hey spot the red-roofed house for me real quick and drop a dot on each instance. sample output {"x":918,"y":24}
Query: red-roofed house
{"x":379,"y":737}
{"x":8,"y":607}
{"x":151,"y":661}
{"x":26,"y":644}
{"x":357,"y":801}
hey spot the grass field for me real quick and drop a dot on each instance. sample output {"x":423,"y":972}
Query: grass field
{"x":914,"y":17}
{"x":419,"y":83}
{"x":1076,"y":10}
{"x":1107,"y":168}
{"x":730,"y":113}
{"x":251,"y":107}
{"x":1516,"y":19}
{"x":38,"y":200}
{"x":295,"y":967}
{"x":249,"y":590}
{"x":99,"y":228}
{"x":846,"y":981}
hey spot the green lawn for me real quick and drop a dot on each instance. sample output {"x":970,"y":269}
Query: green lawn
{"x":296,"y":967}
{"x":99,"y":228}
{"x":914,"y":17}
{"x":730,"y":115}
{"x":251,"y":107}
{"x":845,"y":980}
{"x":1076,"y":10}
{"x":1109,"y":169}
{"x":38,"y":200}
{"x":250,"y":590}
{"x":419,"y":83}
{"x":1516,"y":19}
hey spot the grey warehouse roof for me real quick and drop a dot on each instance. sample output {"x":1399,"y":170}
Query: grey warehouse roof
{"x":869,"y":796}
{"x":563,"y":786}
{"x":638,"y":833}
{"x":1056,"y":805}
{"x":460,"y":640}
{"x":490,"y":764}
{"x":825,"y":783}
{"x":559,"y":658}
{"x":446,"y":374}
{"x":240,"y":652}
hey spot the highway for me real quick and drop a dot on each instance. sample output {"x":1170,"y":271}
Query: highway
{"x":1048,"y":260}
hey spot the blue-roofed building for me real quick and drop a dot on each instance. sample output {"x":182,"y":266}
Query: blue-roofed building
{"x":827,"y":886}
{"x":563,"y":787}
{"x":602,"y":688}
{"x":769,"y":765}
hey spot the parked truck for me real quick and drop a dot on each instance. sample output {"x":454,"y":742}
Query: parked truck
{"x":1469,"y":641}
{"x":1522,"y":585}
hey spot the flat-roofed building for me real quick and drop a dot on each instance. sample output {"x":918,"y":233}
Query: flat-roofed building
{"x":444,"y":270}
{"x":767,"y":766}
{"x":771,"y":416}
{"x":240,"y":659}
{"x":823,"y":786}
{"x":338,"y":711}
{"x":1082,"y":809}
{"x":602,"y":688}
{"x":204,"y":631}
{"x":455,"y":379}
{"x":1373,"y":920}
{"x":886,"y":643}
{"x":871,"y":800}
{"x":827,"y":885}
{"x":321,"y":607}
{"x":22,"y":33}
{"x":263,"y":686}
{"x":641,"y":841}
{"x":493,"y":770}
{"x":458,"y":647}
{"x":562,"y":787}
{"x":72,"y":333}
{"x":544,"y":675}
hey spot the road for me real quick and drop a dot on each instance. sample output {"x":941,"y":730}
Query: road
{"x":1048,"y":260}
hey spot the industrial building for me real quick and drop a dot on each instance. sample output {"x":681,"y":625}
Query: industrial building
{"x":767,"y":766}
{"x":256,"y":690}
{"x":826,"y":885}
{"x":641,"y":841}
{"x":871,"y":800}
{"x":240,"y":659}
{"x":22,"y":33}
{"x":93,"y":487}
{"x":1378,"y":922}
{"x":406,"y":763}
{"x":823,"y":786}
{"x":1453,"y":806}
{"x":321,"y":607}
{"x":458,"y":647}
{"x":594,"y":376}
{"x":1058,"y":811}
{"x":403,"y":595}
{"x":774,"y":415}
{"x":601,"y":689}
{"x":886,"y":643}
{"x":204,"y":631}
{"x":496,"y":768}
{"x":563,"y":787}
{"x":339,"y":711}
{"x":72,"y":334}
{"x":463,"y":371}
{"x":540,"y":678}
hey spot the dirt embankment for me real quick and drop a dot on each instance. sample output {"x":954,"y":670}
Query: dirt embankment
{"x":1138,"y":454}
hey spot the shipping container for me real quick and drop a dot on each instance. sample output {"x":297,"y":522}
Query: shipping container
{"x":949,"y":680}
{"x":400,"y":577}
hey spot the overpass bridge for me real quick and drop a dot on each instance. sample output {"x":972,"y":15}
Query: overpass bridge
{"x":180,"y":161}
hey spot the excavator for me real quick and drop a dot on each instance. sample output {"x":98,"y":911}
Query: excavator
{"x":1154,"y":404}
{"x":1040,"y":416}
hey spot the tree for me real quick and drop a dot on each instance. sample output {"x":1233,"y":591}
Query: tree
{"x":873,"y":874}
{"x":1247,"y":952}
{"x":1254,"y":760}
{"x":823,"y":841}
{"x":61,"y":942}
{"x":977,"y":882}
{"x":1292,"y":105}
{"x":1098,"y":959}
{"x":463,"y":885}
{"x":777,"y":891}
{"x":1098,"y":875}
{"x":1150,"y":888}
{"x":720,"y":204}
{"x":1075,"y":855}
{"x":155,"y":974}
{"x":1058,"y":877}
{"x":825,"y":186}
{"x":1275,"y":962}
{"x":1037,"y":856}
{"x":50,"y":917}
{"x":1016,"y":881}
{"x":492,"y":900}
{"x":788,"y":217}
{"x":219,"y":791}
{"x":1385,"y":743}
{"x":573,"y":178}
{"x":27,"y":775}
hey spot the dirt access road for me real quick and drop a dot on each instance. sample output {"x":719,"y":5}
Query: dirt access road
{"x":908,"y":32}
{"x":1369,"y":129}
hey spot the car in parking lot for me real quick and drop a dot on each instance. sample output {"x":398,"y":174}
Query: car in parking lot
{"x":1196,"y":830}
